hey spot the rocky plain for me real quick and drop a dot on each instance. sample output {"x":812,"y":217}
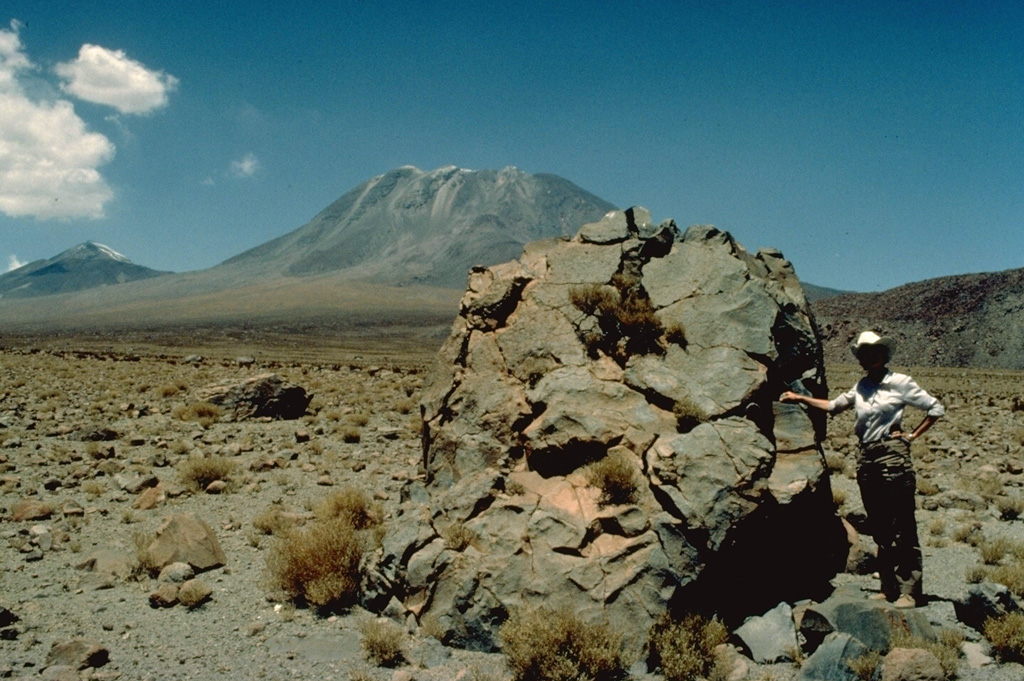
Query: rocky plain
{"x":89,"y":428}
{"x":150,"y":484}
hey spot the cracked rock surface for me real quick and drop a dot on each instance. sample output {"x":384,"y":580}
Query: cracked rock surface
{"x":664,"y":349}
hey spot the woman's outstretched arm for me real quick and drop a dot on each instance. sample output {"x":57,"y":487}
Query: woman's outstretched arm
{"x":789,"y":396}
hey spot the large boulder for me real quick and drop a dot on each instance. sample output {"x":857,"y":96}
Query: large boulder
{"x":264,"y":394}
{"x":633,"y":345}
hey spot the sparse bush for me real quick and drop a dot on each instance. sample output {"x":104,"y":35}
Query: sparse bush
{"x":993,"y":550}
{"x":197,"y":472}
{"x":93,"y":488}
{"x":616,"y":477}
{"x":1010,"y":507}
{"x":273,"y":521}
{"x":968,"y":534}
{"x":1011,"y":576}
{"x":457,"y":536}
{"x":937,"y":527}
{"x":927,"y":487}
{"x":945,"y":647}
{"x":684,"y":649}
{"x":351,"y":434}
{"x":382,"y":642}
{"x":351,"y":506}
{"x":838,"y":497}
{"x":625,"y":318}
{"x":835,"y":462}
{"x":556,"y":645}
{"x":203,"y":413}
{"x":688,"y":414}
{"x":1006,"y":634}
{"x":318,"y":564}
{"x":864,"y":666}
{"x":144,"y":564}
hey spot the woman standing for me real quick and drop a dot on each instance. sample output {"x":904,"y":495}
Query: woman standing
{"x":884,"y":470}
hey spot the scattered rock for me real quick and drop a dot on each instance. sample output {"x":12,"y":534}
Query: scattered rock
{"x":176,"y":573}
{"x":186,"y":539}
{"x":165,"y":595}
{"x":78,"y":653}
{"x":983,"y":601}
{"x":194,"y":592}
{"x":263,"y":395}
{"x":830,"y":661}
{"x":770,"y":637}
{"x":911,"y":664}
{"x":31,"y":509}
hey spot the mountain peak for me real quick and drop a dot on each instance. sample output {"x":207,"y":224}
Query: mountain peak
{"x":87,"y":265}
{"x":409,"y":226}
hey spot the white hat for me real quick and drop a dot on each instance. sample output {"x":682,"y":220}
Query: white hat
{"x":872,"y":338}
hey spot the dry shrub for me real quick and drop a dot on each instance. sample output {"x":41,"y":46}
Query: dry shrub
{"x":684,"y":649}
{"x":144,"y":564}
{"x":93,"y":488}
{"x":318,"y":565}
{"x":864,"y":666}
{"x":688,"y":414}
{"x":1010,"y":507}
{"x":556,"y":645}
{"x":927,"y":487}
{"x":203,"y":413}
{"x":1010,"y":575}
{"x":382,"y":642}
{"x":1006,"y":634}
{"x":351,"y":434}
{"x":625,"y":318}
{"x":273,"y":521}
{"x":993,"y":550}
{"x":457,"y":536}
{"x":351,"y":506}
{"x":616,"y":477}
{"x":835,"y":462}
{"x":197,"y":472}
{"x":945,"y":647}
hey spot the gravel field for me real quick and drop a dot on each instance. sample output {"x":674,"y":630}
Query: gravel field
{"x":85,"y":433}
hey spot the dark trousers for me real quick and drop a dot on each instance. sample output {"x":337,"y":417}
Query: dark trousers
{"x":887,"y":487}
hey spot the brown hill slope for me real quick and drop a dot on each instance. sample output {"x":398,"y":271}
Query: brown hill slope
{"x":974,"y":320}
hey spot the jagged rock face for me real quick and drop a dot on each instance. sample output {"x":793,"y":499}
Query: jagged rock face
{"x":630,"y":342}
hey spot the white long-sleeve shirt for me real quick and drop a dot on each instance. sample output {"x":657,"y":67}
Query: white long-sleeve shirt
{"x":879,"y":406}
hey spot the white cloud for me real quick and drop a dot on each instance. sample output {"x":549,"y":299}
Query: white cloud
{"x":109,"y":77}
{"x":48,"y":159}
{"x":245,"y":166}
{"x":13,"y":263}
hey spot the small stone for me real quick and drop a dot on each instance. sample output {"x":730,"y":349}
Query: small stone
{"x":31,"y":509}
{"x":216,"y":487}
{"x":165,"y":596}
{"x":194,"y":593}
{"x":78,"y":653}
{"x":911,"y":664}
{"x":324,"y":481}
{"x":302,"y":436}
{"x":176,"y":573}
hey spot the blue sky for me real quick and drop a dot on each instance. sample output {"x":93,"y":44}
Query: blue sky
{"x":873,"y":143}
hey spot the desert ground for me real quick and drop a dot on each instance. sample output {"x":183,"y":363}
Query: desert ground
{"x":89,"y":424}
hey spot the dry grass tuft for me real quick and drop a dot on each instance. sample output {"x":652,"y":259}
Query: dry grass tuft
{"x":864,"y":666}
{"x":197,"y":472}
{"x":458,"y":537}
{"x":318,"y":565}
{"x":556,"y":645}
{"x":382,"y":642}
{"x":684,"y":649}
{"x":203,"y":413}
{"x":616,"y":477}
{"x":352,"y":507}
{"x":688,"y":414}
{"x":1006,"y":634}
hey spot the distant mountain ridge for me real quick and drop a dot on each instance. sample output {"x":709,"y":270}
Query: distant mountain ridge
{"x":409,"y":226}
{"x":82,"y":267}
{"x":970,"y":320}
